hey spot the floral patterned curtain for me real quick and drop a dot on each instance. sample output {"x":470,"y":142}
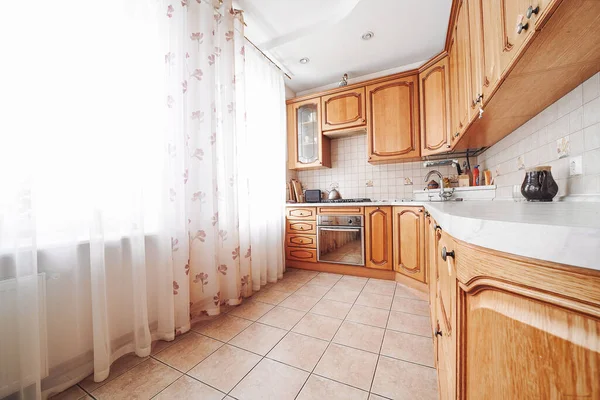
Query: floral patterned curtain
{"x":205,"y":83}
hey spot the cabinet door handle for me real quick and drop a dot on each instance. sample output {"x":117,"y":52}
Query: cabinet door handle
{"x":531,"y":11}
{"x":521,"y":27}
{"x":438,"y":332}
{"x":446,"y":253}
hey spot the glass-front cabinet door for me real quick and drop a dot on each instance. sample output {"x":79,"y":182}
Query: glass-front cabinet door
{"x":308,"y":133}
{"x":305,"y":139}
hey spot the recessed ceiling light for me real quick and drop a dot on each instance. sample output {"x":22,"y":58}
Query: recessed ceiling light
{"x":304,"y":60}
{"x":367,"y":35}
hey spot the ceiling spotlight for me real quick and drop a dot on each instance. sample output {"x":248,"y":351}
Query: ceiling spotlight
{"x":367,"y":35}
{"x":304,"y":60}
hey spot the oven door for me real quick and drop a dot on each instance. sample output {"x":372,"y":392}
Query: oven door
{"x":341,"y":245}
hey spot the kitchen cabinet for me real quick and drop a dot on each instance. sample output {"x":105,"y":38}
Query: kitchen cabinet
{"x":515,"y":29}
{"x":301,"y":234}
{"x":460,"y":73}
{"x":307,"y":147}
{"x":475,"y":23}
{"x":432,"y":233}
{"x":393,"y":119}
{"x":487,"y":26}
{"x":344,"y":110}
{"x":409,"y":242}
{"x":378,"y":237}
{"x":434,"y":101}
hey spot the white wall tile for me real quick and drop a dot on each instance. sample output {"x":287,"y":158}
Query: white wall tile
{"x":591,"y":88}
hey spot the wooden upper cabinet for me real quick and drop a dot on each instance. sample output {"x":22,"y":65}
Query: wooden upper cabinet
{"x":434,"y":99}
{"x":460,"y":73}
{"x":513,"y":14}
{"x":307,"y":147}
{"x":491,"y":39}
{"x":409,"y":242}
{"x":344,"y":110}
{"x":378,"y":237}
{"x":393,"y":119}
{"x":475,"y":55}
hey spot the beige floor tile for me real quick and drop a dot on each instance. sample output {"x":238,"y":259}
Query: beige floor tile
{"x":252,"y":310}
{"x":271,"y":380}
{"x":410,"y":293}
{"x":364,"y":337}
{"x":186,"y":388}
{"x":318,"y":326}
{"x":375,"y":397}
{"x":299,"y":351}
{"x":298,"y":302}
{"x":355,"y":286}
{"x":118,"y":368}
{"x":409,"y":323}
{"x":410,"y":306}
{"x":141,"y":382}
{"x":280,"y":317}
{"x":224,"y":328}
{"x":312,"y":290}
{"x":319,"y":388}
{"x":289,"y":285}
{"x":350,"y":278}
{"x":380,"y":286}
{"x":225,"y":367}
{"x":72,"y":393}
{"x":331,"y":308}
{"x":374,"y":300}
{"x":408,"y":347}
{"x":402,"y":380}
{"x":368,"y":316}
{"x":160,"y":345}
{"x":326,"y":280}
{"x":188,"y":351}
{"x":343,"y":295}
{"x":270,"y":296}
{"x":350,"y":366}
{"x":258,"y":338}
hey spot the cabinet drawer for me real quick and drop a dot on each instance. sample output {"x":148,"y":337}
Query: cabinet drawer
{"x":309,"y":241}
{"x":341,"y":210}
{"x":308,"y":213}
{"x":306,"y":255}
{"x":293,"y":226}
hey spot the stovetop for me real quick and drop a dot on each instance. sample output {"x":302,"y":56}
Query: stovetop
{"x":346,"y":201}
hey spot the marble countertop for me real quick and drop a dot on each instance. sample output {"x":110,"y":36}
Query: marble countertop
{"x":561,"y":232}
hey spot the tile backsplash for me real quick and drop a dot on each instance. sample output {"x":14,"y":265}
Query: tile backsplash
{"x":568,"y":128}
{"x":357,"y":178}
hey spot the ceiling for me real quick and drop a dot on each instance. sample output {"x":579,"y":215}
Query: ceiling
{"x":329,"y":32}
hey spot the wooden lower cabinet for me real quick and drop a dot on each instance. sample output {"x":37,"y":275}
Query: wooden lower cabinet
{"x":300,"y":254}
{"x":378,"y":237}
{"x":509,"y":327}
{"x":409,"y":242}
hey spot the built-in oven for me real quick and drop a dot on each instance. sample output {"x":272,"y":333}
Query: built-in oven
{"x":340,"y":239}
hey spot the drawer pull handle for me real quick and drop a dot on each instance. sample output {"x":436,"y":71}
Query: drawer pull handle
{"x":531,"y":11}
{"x":521,"y":27}
{"x":446,"y":253}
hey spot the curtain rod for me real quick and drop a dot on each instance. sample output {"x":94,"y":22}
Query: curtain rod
{"x":236,"y":11}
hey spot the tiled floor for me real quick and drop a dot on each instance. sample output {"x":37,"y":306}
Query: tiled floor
{"x":310,"y":336}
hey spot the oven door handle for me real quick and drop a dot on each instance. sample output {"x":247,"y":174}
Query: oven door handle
{"x":344,"y":228}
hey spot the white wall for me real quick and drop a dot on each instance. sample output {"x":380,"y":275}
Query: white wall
{"x":575,"y":116}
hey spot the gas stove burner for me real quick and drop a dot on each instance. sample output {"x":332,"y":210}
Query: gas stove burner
{"x":348,"y":201}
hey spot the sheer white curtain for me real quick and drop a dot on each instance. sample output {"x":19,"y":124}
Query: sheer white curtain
{"x":141,"y":160}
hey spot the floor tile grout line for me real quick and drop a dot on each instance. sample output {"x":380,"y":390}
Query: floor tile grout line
{"x":330,"y":341}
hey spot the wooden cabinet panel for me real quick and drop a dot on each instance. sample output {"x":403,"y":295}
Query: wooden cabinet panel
{"x":378,"y":237}
{"x":513,"y":13}
{"x":307,"y":147}
{"x":409,"y":242}
{"x":491,"y":38}
{"x":301,"y":227}
{"x":542,"y":351}
{"x":344,"y":110}
{"x":434,"y":98}
{"x":393,"y":120}
{"x":298,"y":254}
{"x":342,"y":210}
{"x":308,"y":213}
{"x":476,"y":55}
{"x":296,"y":240}
{"x":431,"y":239}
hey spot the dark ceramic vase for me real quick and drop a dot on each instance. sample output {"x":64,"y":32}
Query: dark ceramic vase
{"x":539,"y":185}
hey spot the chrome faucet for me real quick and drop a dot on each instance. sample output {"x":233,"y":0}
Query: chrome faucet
{"x":443,"y":195}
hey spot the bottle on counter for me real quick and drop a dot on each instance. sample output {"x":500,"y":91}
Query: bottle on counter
{"x":476,"y":175}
